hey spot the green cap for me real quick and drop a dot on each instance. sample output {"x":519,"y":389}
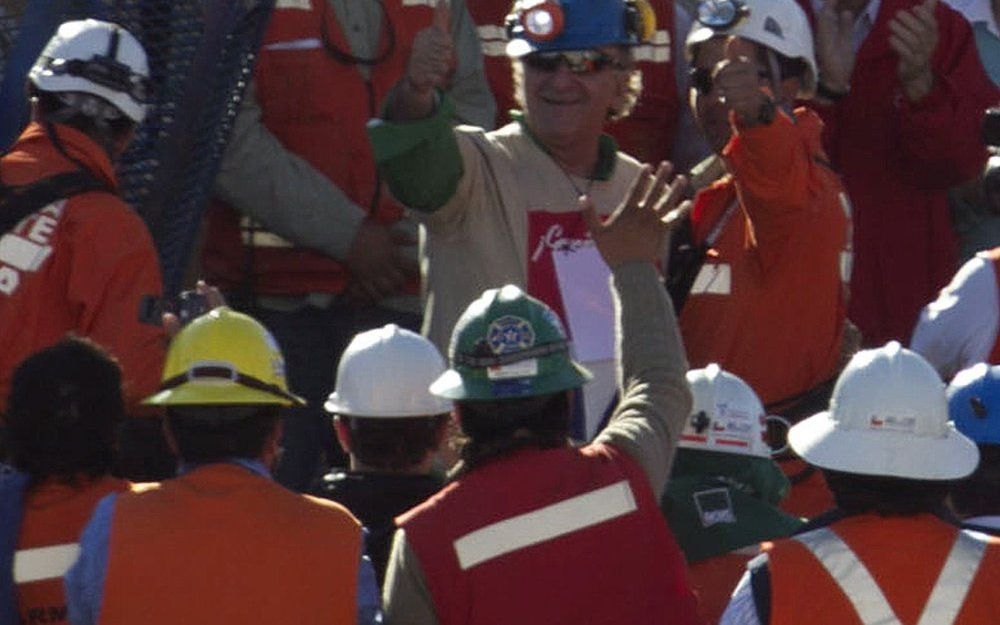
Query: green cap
{"x":508,"y":344}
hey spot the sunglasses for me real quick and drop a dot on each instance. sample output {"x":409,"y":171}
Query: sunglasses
{"x":578,"y":61}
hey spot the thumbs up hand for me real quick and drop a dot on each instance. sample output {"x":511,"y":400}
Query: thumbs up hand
{"x":432,"y":58}
{"x":738,"y":82}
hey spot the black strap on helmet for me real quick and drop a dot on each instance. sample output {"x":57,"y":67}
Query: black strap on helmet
{"x":216,"y":372}
{"x":509,"y":358}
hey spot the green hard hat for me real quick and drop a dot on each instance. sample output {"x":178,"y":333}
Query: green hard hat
{"x":508,"y":344}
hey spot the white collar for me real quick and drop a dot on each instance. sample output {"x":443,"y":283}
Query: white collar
{"x":977,"y":11}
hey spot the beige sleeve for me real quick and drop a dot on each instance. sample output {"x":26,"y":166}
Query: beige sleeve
{"x":655,"y":399}
{"x":263,"y":180}
{"x":405,"y":597}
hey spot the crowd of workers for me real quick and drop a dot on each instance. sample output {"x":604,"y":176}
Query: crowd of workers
{"x":498,"y":328}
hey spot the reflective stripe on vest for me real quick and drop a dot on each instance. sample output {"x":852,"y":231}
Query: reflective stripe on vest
{"x":657,"y":50}
{"x":493,"y":40}
{"x":41,"y":563}
{"x":946,"y":598}
{"x":552,"y":521}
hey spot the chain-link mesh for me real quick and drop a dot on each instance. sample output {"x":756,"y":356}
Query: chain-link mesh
{"x":201,"y":54}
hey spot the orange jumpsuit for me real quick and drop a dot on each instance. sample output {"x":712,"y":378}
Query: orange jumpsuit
{"x":85,"y":265}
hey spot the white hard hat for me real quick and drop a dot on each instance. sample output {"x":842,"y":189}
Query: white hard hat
{"x":386,"y":372}
{"x":726,"y":415}
{"x":780,"y":25}
{"x":889,"y":417}
{"x":98,"y":58}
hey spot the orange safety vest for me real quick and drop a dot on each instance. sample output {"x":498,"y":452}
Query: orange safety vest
{"x":54,"y":516}
{"x":648,"y":133}
{"x":575,"y":536}
{"x":317,"y":106}
{"x":864,"y":570}
{"x":223,"y":545}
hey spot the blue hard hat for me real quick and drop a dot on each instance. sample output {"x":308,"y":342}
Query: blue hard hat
{"x":558,"y":25}
{"x":974,"y":403}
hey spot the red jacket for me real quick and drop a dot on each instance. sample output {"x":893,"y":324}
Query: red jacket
{"x":317,"y":107}
{"x":648,"y":133}
{"x":54,"y":516}
{"x":550,"y":536}
{"x":898,"y":159}
{"x":85,"y":266}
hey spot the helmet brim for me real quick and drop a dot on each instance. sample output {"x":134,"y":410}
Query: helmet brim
{"x":194,"y":394}
{"x":451,"y":385}
{"x":821,"y":443}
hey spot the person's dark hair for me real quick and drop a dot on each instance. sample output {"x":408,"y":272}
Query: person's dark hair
{"x":214,"y":433}
{"x":979,"y":494}
{"x":393,"y":444}
{"x":105,"y":132}
{"x":495,"y":428}
{"x":64,"y":405}
{"x":886,"y":496}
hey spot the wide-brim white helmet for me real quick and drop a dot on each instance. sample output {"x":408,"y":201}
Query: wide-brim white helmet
{"x":888,"y":417}
{"x":98,"y":58}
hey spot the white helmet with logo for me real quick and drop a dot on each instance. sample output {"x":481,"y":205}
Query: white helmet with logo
{"x":97,"y":58}
{"x":386,"y":373}
{"x":726,"y":415}
{"x":888,"y":417}
{"x":780,"y":25}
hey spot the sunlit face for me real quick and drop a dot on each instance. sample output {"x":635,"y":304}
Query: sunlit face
{"x":564,"y":108}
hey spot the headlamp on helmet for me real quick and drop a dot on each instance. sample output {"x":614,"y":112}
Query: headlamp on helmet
{"x":722,"y":14}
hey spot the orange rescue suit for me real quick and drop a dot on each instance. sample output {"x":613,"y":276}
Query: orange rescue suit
{"x":86,"y":265}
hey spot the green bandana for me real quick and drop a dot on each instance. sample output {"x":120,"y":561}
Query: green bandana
{"x":717,"y":502}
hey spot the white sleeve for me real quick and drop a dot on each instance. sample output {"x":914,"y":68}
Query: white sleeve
{"x":959,"y":328}
{"x":742,"y":609}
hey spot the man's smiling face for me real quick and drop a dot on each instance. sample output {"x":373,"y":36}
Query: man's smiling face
{"x":564,"y":108}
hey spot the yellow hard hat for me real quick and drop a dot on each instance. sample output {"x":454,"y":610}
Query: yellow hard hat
{"x":224,"y":357}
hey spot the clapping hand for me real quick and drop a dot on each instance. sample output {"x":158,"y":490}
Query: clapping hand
{"x":835,"y":53}
{"x":914,"y":37}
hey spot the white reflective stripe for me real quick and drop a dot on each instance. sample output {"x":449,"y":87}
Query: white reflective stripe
{"x":21,"y":253}
{"x":494,"y":48}
{"x":956,"y":577}
{"x":295,"y":44}
{"x":417,"y":3}
{"x":657,"y":50}
{"x":713,"y":280}
{"x":302,"y":5}
{"x":254,"y":234}
{"x":33,"y":565}
{"x":558,"y":519}
{"x":488,"y":32}
{"x":851,"y":575}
